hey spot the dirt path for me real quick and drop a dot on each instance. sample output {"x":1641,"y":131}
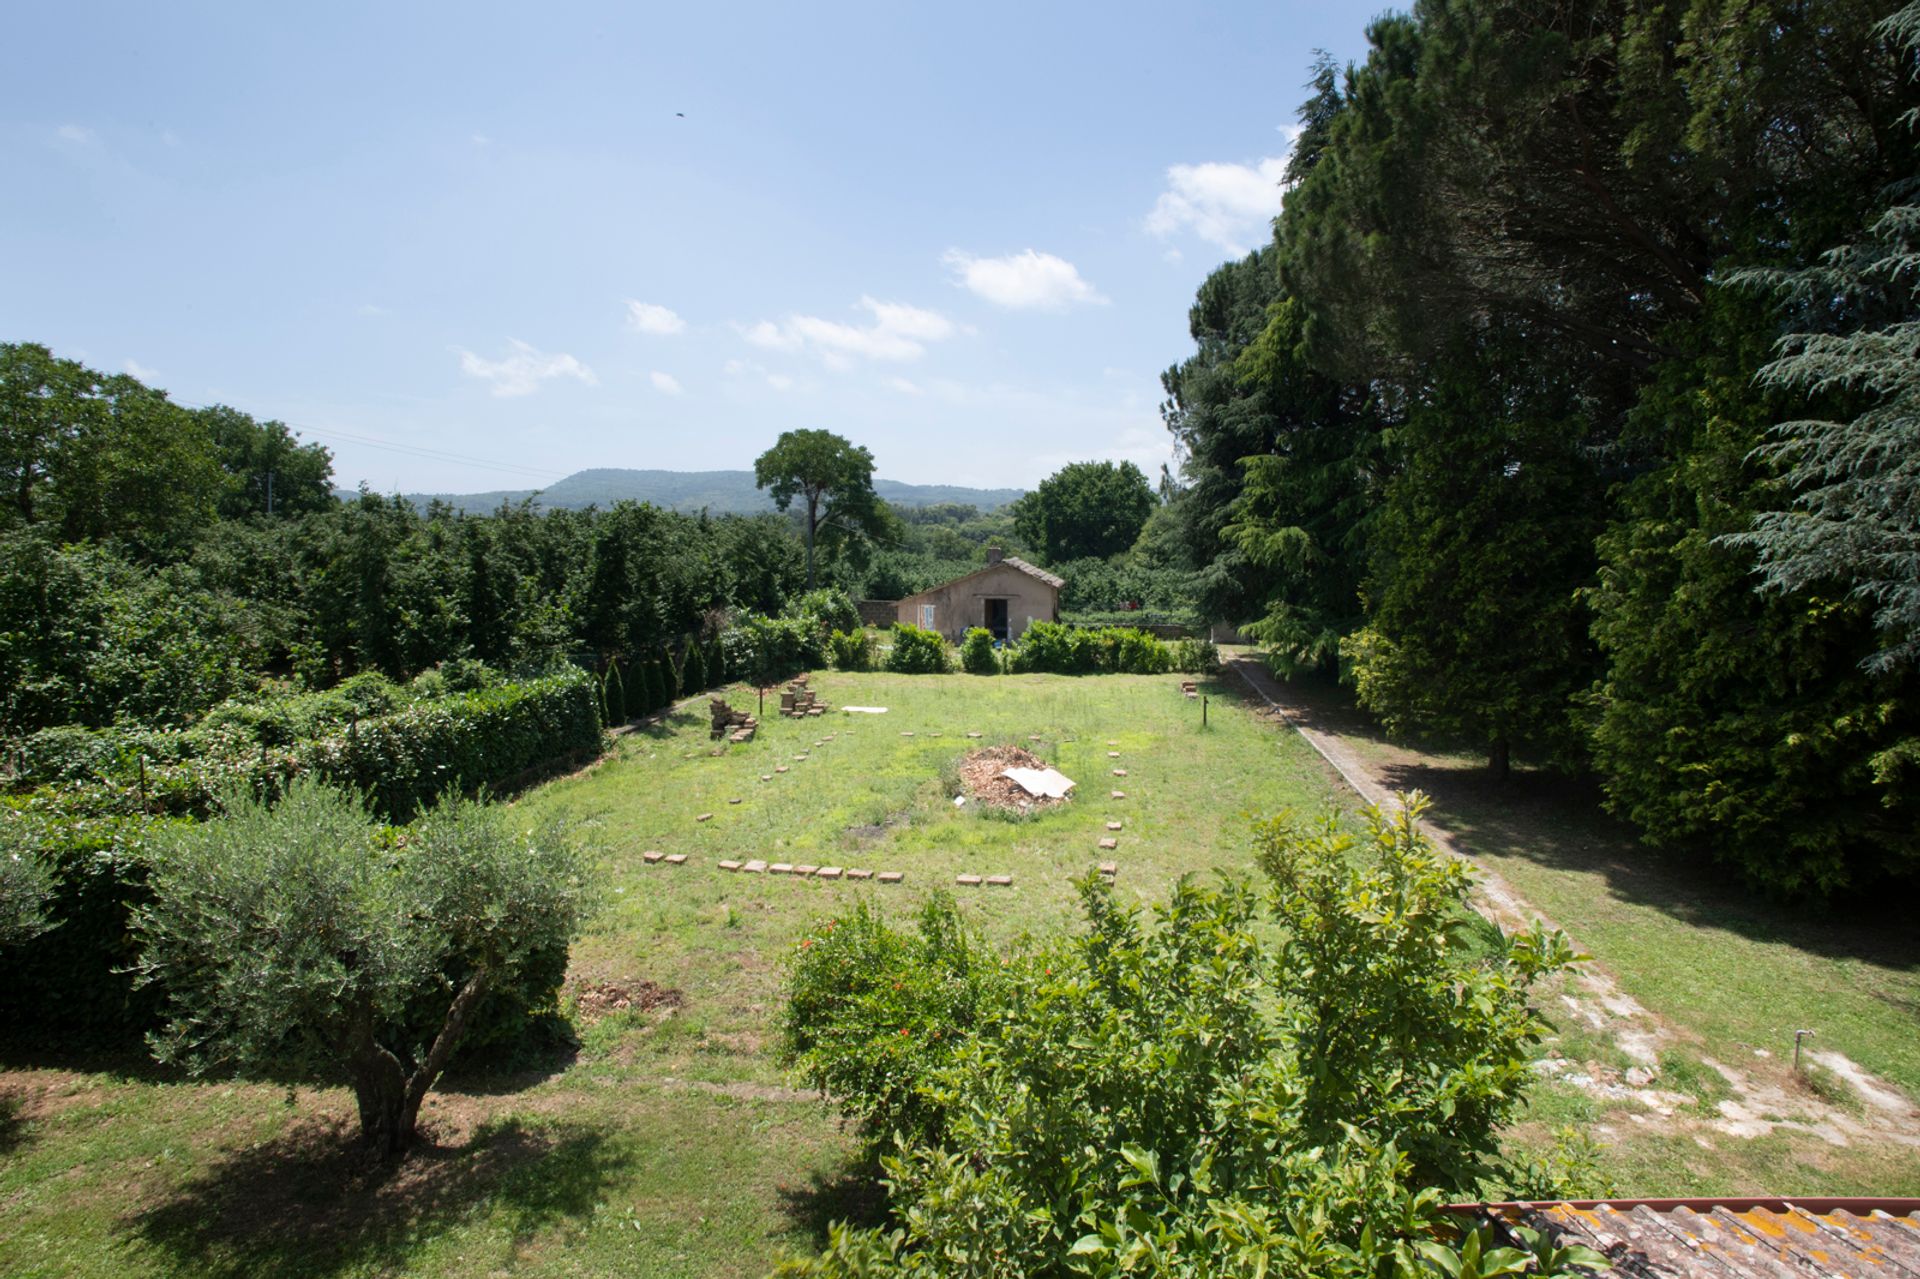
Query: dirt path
{"x":1758,"y":1106}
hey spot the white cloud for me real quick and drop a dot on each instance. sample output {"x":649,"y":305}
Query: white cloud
{"x":903,"y":386}
{"x":481,"y":140}
{"x":373,"y":309}
{"x":1022,"y":281}
{"x":648,"y":317}
{"x":141,"y":371}
{"x":1228,"y":205}
{"x":78,"y":135}
{"x":666,"y":383}
{"x":746,"y":368}
{"x":897,"y":332}
{"x":523,"y":370}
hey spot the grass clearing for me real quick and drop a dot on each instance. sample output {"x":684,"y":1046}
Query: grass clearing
{"x":1734,"y":974}
{"x":668,"y":1142}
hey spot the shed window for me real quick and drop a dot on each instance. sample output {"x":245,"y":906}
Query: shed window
{"x":926,"y":617}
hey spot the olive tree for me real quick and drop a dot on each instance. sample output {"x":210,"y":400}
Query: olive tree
{"x":305,"y":936}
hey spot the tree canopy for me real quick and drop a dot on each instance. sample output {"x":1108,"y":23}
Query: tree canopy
{"x":1495,"y":426}
{"x":1085,"y":510}
{"x":832,"y":478}
{"x":303,"y":936}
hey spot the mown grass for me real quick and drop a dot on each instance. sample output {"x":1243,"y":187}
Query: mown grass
{"x":1735,"y":974}
{"x":670,"y":1143}
{"x":665,"y":1143}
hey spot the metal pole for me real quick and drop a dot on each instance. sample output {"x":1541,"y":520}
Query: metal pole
{"x":1203,"y":712}
{"x":1798,"y":1035}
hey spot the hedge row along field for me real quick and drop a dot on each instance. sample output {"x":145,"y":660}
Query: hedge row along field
{"x":95,"y":831}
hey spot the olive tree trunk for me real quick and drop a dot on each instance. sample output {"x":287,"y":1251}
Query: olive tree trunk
{"x":387,"y":1093}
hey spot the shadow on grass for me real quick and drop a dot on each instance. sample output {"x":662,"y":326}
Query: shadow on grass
{"x":1558,"y":822}
{"x":665,"y":725}
{"x":309,"y":1203}
{"x":13,"y":1129}
{"x":852,"y":1194}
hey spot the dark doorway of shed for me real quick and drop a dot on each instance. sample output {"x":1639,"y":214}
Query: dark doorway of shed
{"x":997,"y":619}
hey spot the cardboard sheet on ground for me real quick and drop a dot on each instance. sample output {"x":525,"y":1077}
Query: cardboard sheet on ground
{"x":864,"y":710}
{"x":1047,"y":783}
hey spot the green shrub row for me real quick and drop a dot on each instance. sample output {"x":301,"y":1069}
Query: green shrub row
{"x":1066,"y":650}
{"x":406,"y":760}
{"x":401,"y":760}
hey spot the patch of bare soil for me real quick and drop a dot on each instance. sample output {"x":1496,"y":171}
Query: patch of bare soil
{"x":980,"y":776}
{"x":599,"y":999}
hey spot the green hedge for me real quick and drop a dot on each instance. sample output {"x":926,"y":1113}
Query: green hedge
{"x":917,"y":652}
{"x":1065,"y":650}
{"x":71,"y":983}
{"x":977,"y":656}
{"x":405,"y":760}
{"x":486,"y":737}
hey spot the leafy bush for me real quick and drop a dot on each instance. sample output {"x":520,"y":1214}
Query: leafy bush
{"x":1196,"y":656}
{"x":1138,"y":653}
{"x":777,"y":647}
{"x":1068,"y":650}
{"x":917,"y":652}
{"x":831,"y":610}
{"x":851,"y":651}
{"x":1284,"y":1083}
{"x":369,"y":693}
{"x":977,"y":655}
{"x":406,"y":760}
{"x":26,"y":885}
{"x":873,"y":1014}
{"x":1056,"y":648}
{"x":304,"y":937}
{"x":71,"y":984}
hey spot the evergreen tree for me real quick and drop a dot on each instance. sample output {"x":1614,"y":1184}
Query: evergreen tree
{"x":693,"y":670}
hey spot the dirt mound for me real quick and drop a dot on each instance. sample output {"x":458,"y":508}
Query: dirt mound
{"x":598,"y":999}
{"x":980,"y":776}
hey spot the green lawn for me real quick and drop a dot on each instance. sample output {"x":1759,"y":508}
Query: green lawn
{"x":669,"y":1143}
{"x":1734,"y":974}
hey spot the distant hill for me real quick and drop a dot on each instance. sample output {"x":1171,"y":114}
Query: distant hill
{"x":722,"y":492}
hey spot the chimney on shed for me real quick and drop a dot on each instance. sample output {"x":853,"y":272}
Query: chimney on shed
{"x":995,"y":555}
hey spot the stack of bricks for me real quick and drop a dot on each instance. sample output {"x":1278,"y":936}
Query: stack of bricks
{"x":799,"y":702}
{"x":735,"y":726}
{"x":1190,"y":687}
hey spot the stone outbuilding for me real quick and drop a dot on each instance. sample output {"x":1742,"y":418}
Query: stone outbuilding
{"x":1006,"y":597}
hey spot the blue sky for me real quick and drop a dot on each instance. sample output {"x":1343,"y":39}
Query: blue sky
{"x":965,"y":236}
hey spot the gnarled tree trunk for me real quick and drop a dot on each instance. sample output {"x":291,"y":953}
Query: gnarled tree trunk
{"x":388,"y":1095}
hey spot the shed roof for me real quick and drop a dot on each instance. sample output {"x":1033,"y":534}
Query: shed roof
{"x":1730,"y":1238}
{"x":1011,"y":561}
